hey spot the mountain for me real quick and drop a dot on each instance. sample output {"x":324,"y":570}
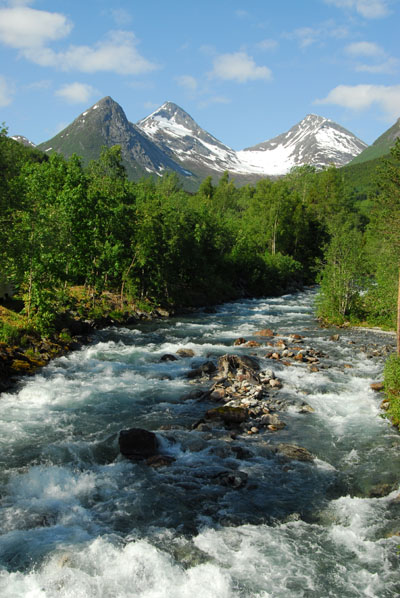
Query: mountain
{"x":170,"y":140}
{"x":381,"y":146}
{"x":23,"y":140}
{"x":314,"y":140}
{"x":105,"y":124}
{"x":179,"y":136}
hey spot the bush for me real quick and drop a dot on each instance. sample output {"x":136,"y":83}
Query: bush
{"x":392,"y":388}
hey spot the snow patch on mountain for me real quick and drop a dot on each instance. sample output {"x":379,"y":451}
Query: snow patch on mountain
{"x":315,"y":140}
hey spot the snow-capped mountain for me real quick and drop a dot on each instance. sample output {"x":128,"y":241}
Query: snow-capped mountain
{"x":178,"y":135}
{"x":315,"y":140}
{"x":23,"y":140}
{"x":105,"y":124}
{"x":170,"y":140}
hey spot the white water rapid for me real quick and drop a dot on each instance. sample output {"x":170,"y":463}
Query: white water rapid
{"x":78,"y":520}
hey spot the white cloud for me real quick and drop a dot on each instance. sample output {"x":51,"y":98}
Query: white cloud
{"x":362,"y":97}
{"x":370,"y":9}
{"x":76,"y":93}
{"x":26,"y":28}
{"x":31,"y":32}
{"x":118,"y":53}
{"x":187,"y":82}
{"x":306,"y":36}
{"x":6,"y":92}
{"x":389,"y":67}
{"x":267,"y":44}
{"x":369,"y":49}
{"x":239,"y":67}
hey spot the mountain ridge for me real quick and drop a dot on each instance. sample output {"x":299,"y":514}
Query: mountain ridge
{"x":169,"y":139}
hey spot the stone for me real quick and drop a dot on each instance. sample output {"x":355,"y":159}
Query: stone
{"x":264,"y":332}
{"x":229,"y":364}
{"x":137,"y":443}
{"x":377,"y":386}
{"x":159,"y":461}
{"x":168,"y":357}
{"x":294,"y":452}
{"x":275,"y":383}
{"x":252,"y":344}
{"x":233,"y":479}
{"x":239,"y":341}
{"x":305,"y":408}
{"x":334,"y":337}
{"x":296,"y":337}
{"x":228,"y":414}
{"x":185,"y":353}
{"x":217,"y":394}
{"x":207,"y":368}
{"x":385,"y":404}
{"x":380,"y":490}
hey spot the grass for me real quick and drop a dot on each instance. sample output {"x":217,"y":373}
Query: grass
{"x":392,"y":388}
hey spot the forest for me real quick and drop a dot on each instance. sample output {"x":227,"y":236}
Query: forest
{"x":73,"y":235}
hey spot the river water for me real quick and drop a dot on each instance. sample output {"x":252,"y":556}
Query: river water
{"x":79,"y":520}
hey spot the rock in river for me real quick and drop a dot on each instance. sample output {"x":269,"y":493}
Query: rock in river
{"x":137,"y":443}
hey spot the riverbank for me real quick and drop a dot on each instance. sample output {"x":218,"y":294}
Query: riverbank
{"x":23,"y":350}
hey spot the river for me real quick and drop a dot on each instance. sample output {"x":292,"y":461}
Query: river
{"x":79,"y":520}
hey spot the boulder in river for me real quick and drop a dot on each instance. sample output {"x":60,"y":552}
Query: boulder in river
{"x":228,"y":365}
{"x":229,"y":415}
{"x":185,"y":352}
{"x":233,"y":479}
{"x":264,"y":332}
{"x":206,"y":369}
{"x":377,"y":386}
{"x":137,"y":443}
{"x":294,"y":452}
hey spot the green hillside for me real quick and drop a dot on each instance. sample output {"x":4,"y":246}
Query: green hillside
{"x":380,"y":147}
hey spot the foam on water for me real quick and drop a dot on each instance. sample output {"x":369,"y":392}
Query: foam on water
{"x":78,"y":520}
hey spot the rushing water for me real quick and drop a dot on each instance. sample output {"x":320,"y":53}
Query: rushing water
{"x":79,"y":520}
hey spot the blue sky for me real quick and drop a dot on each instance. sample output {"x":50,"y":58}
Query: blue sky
{"x":245,"y":71}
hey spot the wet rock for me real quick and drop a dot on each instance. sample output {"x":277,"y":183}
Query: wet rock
{"x":159,"y":461}
{"x":168,"y":357}
{"x":380,"y":490}
{"x":229,"y":415}
{"x":385,"y":404}
{"x":377,"y":386}
{"x":163,"y":313}
{"x":230,"y":364}
{"x":137,"y":443}
{"x":194,"y":395}
{"x":296,"y":337}
{"x":334,"y":337}
{"x":239,"y":341}
{"x":242,"y":453}
{"x":185,"y":353}
{"x":275,"y":383}
{"x":264,"y":332}
{"x":206,"y":369}
{"x":233,"y":479}
{"x":294,"y":452}
{"x":252,"y":344}
{"x":306,"y":408}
